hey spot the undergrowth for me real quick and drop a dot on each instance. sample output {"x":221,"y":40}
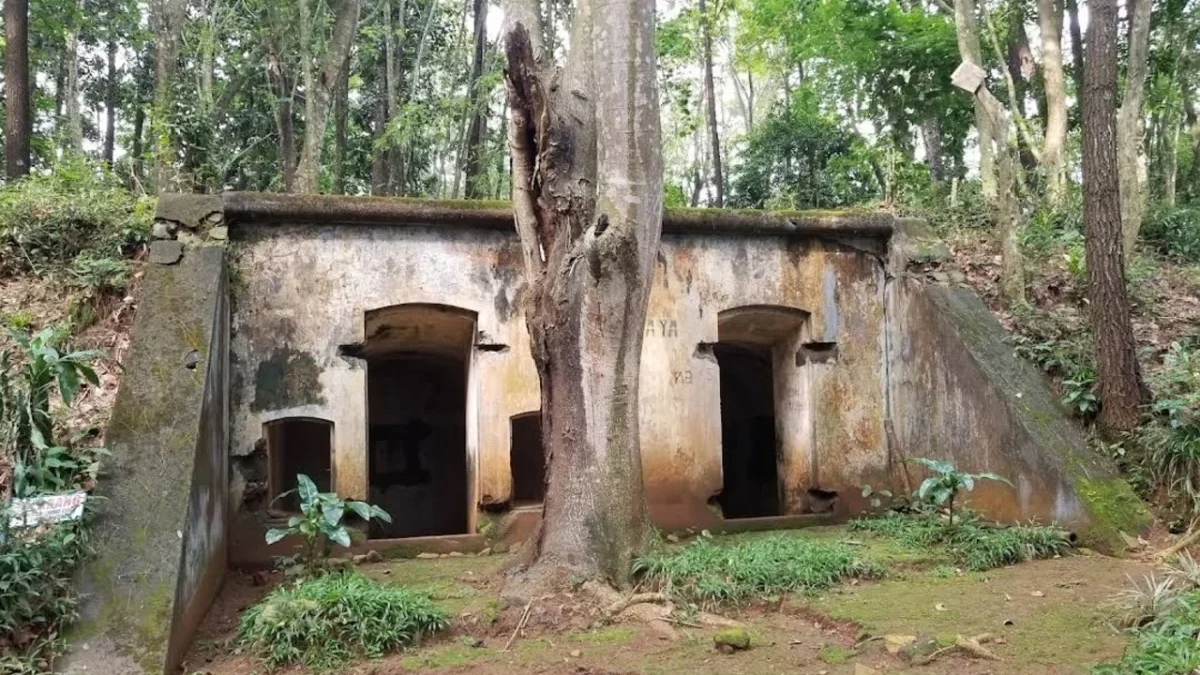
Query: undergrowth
{"x":325,"y":621}
{"x":972,"y":543}
{"x":1167,"y":645}
{"x":709,"y":571}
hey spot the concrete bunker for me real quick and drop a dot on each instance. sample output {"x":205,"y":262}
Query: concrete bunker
{"x":297,"y":445}
{"x":754,"y":357}
{"x":418,"y":361}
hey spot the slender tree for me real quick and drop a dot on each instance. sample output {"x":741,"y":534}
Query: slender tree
{"x":477,"y":129}
{"x":710,"y":101}
{"x":166,"y":19}
{"x":1054,"y":145}
{"x":587,"y":196}
{"x":17,"y":120}
{"x":111,"y":92}
{"x":318,"y":86}
{"x":1130,"y":151}
{"x":72,"y":135}
{"x":1121,"y":388}
{"x":967,"y":30}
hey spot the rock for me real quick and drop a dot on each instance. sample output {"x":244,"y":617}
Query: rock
{"x":895,"y":643}
{"x":220,"y":233}
{"x":940,"y":277}
{"x":214,"y":217}
{"x":427,"y":555}
{"x":957,"y":277}
{"x":163,"y":229}
{"x":191,"y":360}
{"x":732,"y":640}
{"x":575,"y":653}
{"x":455,"y":554}
{"x":360,"y":559}
{"x":166,"y":252}
{"x":500,"y":548}
{"x":919,"y":648}
{"x":673,"y":539}
{"x":186,"y":238}
{"x":373,"y":556}
{"x":860,"y":669}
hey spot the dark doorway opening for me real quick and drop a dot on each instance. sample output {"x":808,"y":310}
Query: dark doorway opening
{"x":297,"y":446}
{"x":526,"y":460}
{"x":748,"y":443}
{"x":417,"y":365}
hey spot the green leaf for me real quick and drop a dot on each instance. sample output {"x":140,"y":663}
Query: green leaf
{"x":993,"y":477}
{"x":276,"y":534}
{"x":68,"y":383}
{"x":380,"y":514}
{"x":968,"y":482}
{"x":333,"y":514}
{"x":307,"y":488}
{"x":341,"y":537}
{"x":935,"y":465}
{"x":362,"y":509}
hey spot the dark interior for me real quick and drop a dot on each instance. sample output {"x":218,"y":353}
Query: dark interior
{"x":296,"y":446}
{"x":526,"y":459}
{"x":748,"y":443}
{"x":417,"y":434}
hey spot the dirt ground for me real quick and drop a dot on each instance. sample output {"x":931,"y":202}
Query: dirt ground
{"x":1046,"y":617}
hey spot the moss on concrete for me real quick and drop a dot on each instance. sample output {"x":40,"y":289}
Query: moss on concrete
{"x":287,"y":379}
{"x":1114,"y":508}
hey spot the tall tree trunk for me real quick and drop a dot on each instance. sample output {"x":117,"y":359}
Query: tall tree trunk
{"x":477,"y":130}
{"x":1054,"y":146}
{"x":1021,"y":68}
{"x":718,"y":175}
{"x":282,"y":89}
{"x":966,"y":26}
{"x":1130,"y":159}
{"x":1120,"y":378}
{"x":341,"y":115}
{"x":390,"y":174}
{"x":166,"y":18}
{"x":111,"y":89}
{"x":142,"y":88}
{"x":72,"y":137}
{"x":589,"y":220}
{"x":931,"y":135}
{"x":1170,"y":169}
{"x":1076,"y":46}
{"x":17,"y":118}
{"x":318,"y":89}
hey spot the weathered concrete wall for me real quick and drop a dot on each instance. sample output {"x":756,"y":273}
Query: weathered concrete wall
{"x":958,"y":392}
{"x":161,"y":536}
{"x":303,"y":291}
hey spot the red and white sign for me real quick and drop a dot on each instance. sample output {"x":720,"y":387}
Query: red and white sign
{"x":33,"y":511}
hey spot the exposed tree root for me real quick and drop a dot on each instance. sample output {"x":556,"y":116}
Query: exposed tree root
{"x":520,"y":625}
{"x":973,"y":646}
{"x":635,"y":599}
{"x":1189,"y":538}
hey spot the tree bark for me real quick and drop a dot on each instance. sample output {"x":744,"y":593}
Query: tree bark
{"x":931,"y":135}
{"x":17,"y":118}
{"x":967,"y":30}
{"x":477,"y":130}
{"x":589,"y":219}
{"x":341,"y":116}
{"x":318,"y":89}
{"x":718,"y":175}
{"x":1021,"y":70}
{"x":111,"y":89}
{"x":1054,"y":145}
{"x":1130,"y":158}
{"x":282,"y":89}
{"x":1120,"y":377}
{"x":166,"y":18}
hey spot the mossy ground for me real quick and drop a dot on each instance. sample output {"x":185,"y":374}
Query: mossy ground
{"x":1056,"y":626}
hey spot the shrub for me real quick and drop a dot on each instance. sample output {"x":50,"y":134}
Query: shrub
{"x":1167,"y":645}
{"x":1173,"y":231}
{"x":707,"y":571}
{"x":37,"y":594}
{"x":971,"y":542}
{"x":320,"y":522}
{"x":1170,"y":439}
{"x":323,"y":621}
{"x":47,"y":221}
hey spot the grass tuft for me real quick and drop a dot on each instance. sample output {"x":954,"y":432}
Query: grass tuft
{"x":1167,"y":645}
{"x":971,"y":542}
{"x":323,"y":622}
{"x":708,"y":571}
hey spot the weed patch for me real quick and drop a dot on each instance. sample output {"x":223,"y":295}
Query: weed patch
{"x":1167,"y":645}
{"x":709,"y":571}
{"x":972,"y":543}
{"x":325,"y":621}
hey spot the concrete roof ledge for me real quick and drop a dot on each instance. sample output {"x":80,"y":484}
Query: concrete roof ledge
{"x":256,"y":208}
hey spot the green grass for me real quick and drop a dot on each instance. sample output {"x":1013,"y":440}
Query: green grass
{"x":710,"y":571}
{"x":1168,"y":645}
{"x":971,"y":542}
{"x":324,"y":622}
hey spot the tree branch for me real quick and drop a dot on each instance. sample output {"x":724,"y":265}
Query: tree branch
{"x":1022,"y":127}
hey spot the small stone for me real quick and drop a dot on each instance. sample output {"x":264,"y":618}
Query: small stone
{"x":163,"y":229}
{"x":427,"y":555}
{"x":455,"y":554}
{"x":895,"y":643}
{"x":219,"y":233}
{"x":732,"y":639}
{"x":360,"y":559}
{"x":186,"y":238}
{"x":673,"y":539}
{"x":215,"y":217}
{"x":373,"y":556}
{"x":191,"y":360}
{"x":940,"y":277}
{"x":957,"y":277}
{"x":1037,"y":594}
{"x":860,"y":669}
{"x":575,"y":653}
{"x":166,"y":252}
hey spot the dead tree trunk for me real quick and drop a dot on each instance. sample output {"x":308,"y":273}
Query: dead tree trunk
{"x":1120,"y":377}
{"x":588,"y":215}
{"x":17,"y":120}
